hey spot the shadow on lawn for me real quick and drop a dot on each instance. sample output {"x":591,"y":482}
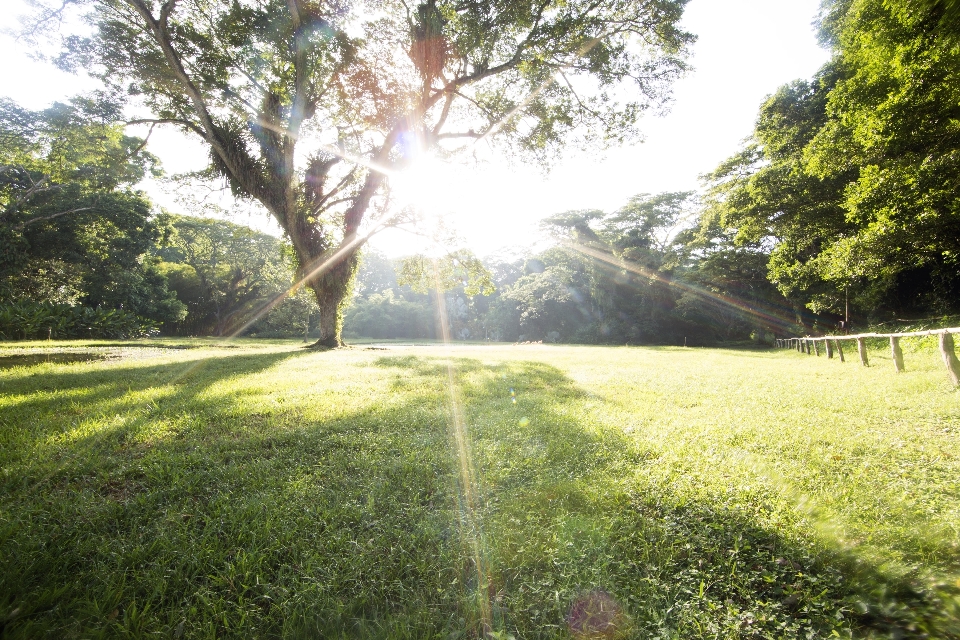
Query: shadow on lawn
{"x":352,"y":525}
{"x":33,"y":359}
{"x":678,"y":566}
{"x":75,"y":396}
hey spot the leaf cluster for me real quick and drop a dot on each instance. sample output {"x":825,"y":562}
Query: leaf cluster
{"x":850,"y":178}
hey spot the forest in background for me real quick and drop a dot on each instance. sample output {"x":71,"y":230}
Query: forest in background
{"x":842,"y":206}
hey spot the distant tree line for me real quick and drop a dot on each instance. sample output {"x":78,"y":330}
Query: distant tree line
{"x":639,"y":275}
{"x":843,"y":205}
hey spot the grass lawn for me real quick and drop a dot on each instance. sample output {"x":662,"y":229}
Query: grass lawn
{"x":252,"y":489}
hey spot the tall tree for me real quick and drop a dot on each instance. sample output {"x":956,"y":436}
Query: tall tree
{"x":765,"y":195}
{"x":225,"y":273}
{"x":71,"y":228}
{"x":308,"y":106}
{"x":893,"y":118}
{"x":850,"y":180}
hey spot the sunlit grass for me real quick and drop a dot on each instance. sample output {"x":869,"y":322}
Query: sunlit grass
{"x":254,"y":489}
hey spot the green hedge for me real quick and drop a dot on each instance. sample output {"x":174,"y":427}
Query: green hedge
{"x":31,"y":320}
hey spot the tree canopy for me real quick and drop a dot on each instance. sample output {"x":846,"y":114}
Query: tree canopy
{"x":225,"y":273}
{"x":72,"y":229}
{"x":308,"y":107}
{"x":851,"y":178}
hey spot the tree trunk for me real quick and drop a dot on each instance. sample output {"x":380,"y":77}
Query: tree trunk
{"x":330,"y":323}
{"x":331,"y":289}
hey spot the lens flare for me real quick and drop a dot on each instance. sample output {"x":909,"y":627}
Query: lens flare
{"x":471,"y":527}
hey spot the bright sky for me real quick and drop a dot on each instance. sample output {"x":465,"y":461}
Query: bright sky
{"x":746,"y":49}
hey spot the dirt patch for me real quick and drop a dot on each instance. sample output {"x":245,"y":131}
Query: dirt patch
{"x":34,"y":357}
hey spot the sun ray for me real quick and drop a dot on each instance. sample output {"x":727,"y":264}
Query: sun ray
{"x":273,"y":302}
{"x":756,"y":310}
{"x":469,"y":518}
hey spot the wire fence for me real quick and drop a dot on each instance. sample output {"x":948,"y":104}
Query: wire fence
{"x":833,"y":345}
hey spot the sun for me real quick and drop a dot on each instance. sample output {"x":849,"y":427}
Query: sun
{"x":487,"y":204}
{"x":435,"y":187}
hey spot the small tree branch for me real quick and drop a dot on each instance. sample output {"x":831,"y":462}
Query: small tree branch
{"x":323,"y":204}
{"x":464,"y":134}
{"x":36,"y":187}
{"x":46,"y":15}
{"x":566,"y":81}
{"x":183,"y":123}
{"x":140,"y":146}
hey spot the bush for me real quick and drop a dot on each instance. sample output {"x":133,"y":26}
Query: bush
{"x":27,"y":319}
{"x":384,"y":316}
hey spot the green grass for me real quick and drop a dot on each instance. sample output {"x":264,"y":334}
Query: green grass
{"x":199,"y":489}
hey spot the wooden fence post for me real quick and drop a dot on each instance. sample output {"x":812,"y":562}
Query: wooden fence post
{"x":829,"y":347}
{"x":816,"y":347}
{"x":862,"y":348}
{"x":897,"y":353}
{"x":840,"y":350}
{"x":949,"y":357}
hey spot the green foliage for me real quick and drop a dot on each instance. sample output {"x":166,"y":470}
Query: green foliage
{"x":79,"y":142}
{"x":458,"y":269}
{"x":32,"y":320}
{"x":71,"y":229}
{"x":383,"y":315}
{"x":641,"y":275}
{"x":226,"y":274}
{"x":398,"y":298}
{"x":851,"y":179}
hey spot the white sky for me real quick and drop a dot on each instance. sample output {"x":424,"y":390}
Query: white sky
{"x":746,"y":49}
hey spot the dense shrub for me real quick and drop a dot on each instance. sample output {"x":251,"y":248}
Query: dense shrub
{"x":27,"y":319}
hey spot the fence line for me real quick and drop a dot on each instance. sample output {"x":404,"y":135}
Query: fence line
{"x":832,"y":343}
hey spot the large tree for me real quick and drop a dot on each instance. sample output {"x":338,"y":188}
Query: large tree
{"x":850,"y":180}
{"x":893,"y":122}
{"x":309,"y":106}
{"x":71,"y":228}
{"x":225,"y":273}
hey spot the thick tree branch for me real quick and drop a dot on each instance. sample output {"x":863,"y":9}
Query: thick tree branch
{"x":49,"y":217}
{"x":158,"y":28}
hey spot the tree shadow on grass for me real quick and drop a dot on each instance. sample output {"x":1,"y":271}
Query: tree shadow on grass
{"x":95,"y":404}
{"x":351,"y":524}
{"x":557,"y":518}
{"x":33,"y":359}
